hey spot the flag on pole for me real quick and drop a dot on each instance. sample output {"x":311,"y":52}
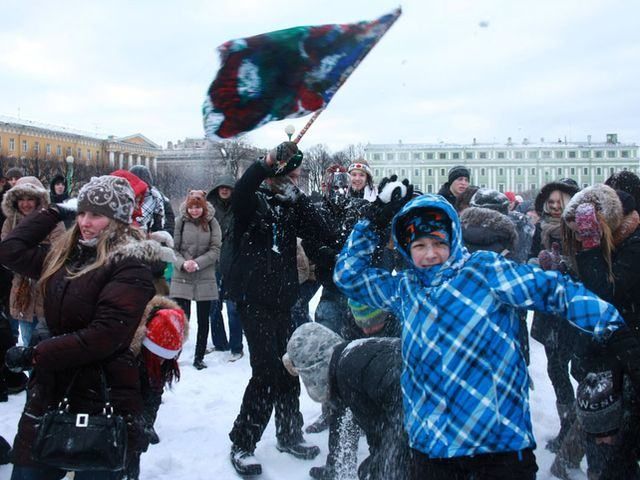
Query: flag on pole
{"x":285,"y":74}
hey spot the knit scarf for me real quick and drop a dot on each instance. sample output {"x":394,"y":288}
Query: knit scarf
{"x":551,"y":230}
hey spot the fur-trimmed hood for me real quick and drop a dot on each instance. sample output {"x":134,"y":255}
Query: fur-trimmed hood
{"x":565,"y":187}
{"x":484,"y":227}
{"x":155,"y":303}
{"x":25,"y":186}
{"x":149,"y":251}
{"x":604,"y":199}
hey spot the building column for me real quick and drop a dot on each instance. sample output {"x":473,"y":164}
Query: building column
{"x":154,"y":163}
{"x":111,"y":159}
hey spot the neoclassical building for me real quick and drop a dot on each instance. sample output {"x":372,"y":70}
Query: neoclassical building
{"x":23,"y":139}
{"x":509,"y":166}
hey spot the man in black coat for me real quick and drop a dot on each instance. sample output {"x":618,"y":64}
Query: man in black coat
{"x":362,"y":376}
{"x":263,"y":281}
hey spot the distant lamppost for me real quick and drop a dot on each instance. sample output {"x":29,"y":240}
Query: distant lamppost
{"x":69,"y":161}
{"x":289,"y":130}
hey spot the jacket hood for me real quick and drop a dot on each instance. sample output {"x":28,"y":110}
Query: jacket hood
{"x":604,"y":199}
{"x":143,"y":173}
{"x":458,"y":252}
{"x":25,"y":186}
{"x":485,"y":227}
{"x":568,"y":188}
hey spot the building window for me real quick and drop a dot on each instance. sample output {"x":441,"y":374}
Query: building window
{"x":88,"y":154}
{"x":442,"y":172}
{"x":468,"y":155}
{"x":532,"y":186}
{"x":612,"y":170}
{"x":532,"y":154}
{"x":483,"y":172}
{"x":429,"y":172}
{"x":482,"y":155}
{"x":417,"y":156}
{"x":624,"y":153}
{"x":25,"y":146}
{"x":573,"y":154}
{"x":533,"y":170}
{"x":501,"y":172}
{"x":597,"y":154}
{"x":48,"y":148}
{"x":585,"y":185}
{"x":501,"y":155}
{"x":68,"y":151}
{"x":559,"y":154}
{"x":377,"y":156}
{"x":376,"y":172}
{"x":430,"y":156}
{"x":585,"y":171}
{"x":611,"y":154}
{"x":59,"y":150}
{"x":559,"y":170}
{"x":501,"y":187}
{"x":402,"y":173}
{"x":97,"y":156}
{"x":518,"y":171}
{"x":389,"y":172}
{"x":518,"y":187}
{"x":390,"y":156}
{"x":585,"y":154}
{"x":36,"y":147}
{"x":79,"y":152}
{"x":598,"y":171}
{"x":429,"y":188}
{"x":573,"y":171}
{"x":403,"y":156}
{"x":518,"y":155}
{"x":483,"y":185}
{"x":442,"y":155}
{"x":546,"y":154}
{"x":455,"y":155}
{"x":416,"y":172}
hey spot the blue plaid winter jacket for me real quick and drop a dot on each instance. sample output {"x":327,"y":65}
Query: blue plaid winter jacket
{"x":464,"y":381}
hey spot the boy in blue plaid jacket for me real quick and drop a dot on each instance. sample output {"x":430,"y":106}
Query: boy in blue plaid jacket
{"x":464,"y":382}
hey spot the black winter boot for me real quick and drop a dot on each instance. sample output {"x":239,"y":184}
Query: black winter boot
{"x":244,"y":462}
{"x":326,"y":472}
{"x":300,"y":450}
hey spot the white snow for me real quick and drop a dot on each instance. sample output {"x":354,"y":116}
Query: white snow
{"x":197,"y":415}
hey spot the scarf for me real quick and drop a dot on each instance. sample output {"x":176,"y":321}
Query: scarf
{"x":551,"y":231}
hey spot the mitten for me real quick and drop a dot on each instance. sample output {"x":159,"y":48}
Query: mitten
{"x":392,"y":196}
{"x":67,"y":210}
{"x":551,"y":259}
{"x":587,"y":226}
{"x":18,"y":359}
{"x":286,"y":157}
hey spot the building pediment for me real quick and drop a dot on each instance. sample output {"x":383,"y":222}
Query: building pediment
{"x":138,"y":139}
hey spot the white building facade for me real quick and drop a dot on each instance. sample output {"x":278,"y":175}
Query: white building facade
{"x":505,"y":167}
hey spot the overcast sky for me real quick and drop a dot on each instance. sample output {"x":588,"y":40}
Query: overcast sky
{"x":448,"y":70}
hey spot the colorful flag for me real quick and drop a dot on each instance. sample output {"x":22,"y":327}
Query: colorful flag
{"x":284,"y":74}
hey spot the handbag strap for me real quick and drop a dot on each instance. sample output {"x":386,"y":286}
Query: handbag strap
{"x":108,"y":408}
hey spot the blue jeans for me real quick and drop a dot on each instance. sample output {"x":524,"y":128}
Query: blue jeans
{"x":332,"y":312}
{"x":300,"y":311}
{"x":218,"y":333}
{"x":50,"y":473}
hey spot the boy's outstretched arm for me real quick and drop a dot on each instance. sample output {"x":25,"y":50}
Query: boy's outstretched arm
{"x":355,"y":276}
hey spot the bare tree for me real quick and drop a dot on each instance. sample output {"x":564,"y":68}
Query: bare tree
{"x":316,"y":161}
{"x":349,"y":154}
{"x":237,"y":154}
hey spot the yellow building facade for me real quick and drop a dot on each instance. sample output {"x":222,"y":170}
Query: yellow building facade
{"x":20,"y":139}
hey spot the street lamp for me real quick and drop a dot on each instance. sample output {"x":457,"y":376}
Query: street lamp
{"x":289,"y":130}
{"x":69,"y":161}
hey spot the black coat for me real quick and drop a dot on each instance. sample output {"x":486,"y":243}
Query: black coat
{"x":364,"y":376}
{"x":263,"y":268}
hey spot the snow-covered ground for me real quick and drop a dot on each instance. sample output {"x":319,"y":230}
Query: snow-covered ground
{"x":196,"y":416}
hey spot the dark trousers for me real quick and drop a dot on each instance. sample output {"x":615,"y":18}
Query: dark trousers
{"x":50,"y":473}
{"x":271,"y":386}
{"x":202,"y":310}
{"x":491,"y":466}
{"x":218,"y":333}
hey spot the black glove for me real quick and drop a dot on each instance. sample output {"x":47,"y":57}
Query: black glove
{"x":625,"y":345}
{"x":18,"y":359}
{"x":286,"y":158}
{"x":390,"y":201}
{"x":66,"y":210}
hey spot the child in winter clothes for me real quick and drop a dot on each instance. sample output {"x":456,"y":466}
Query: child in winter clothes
{"x":465,"y":383}
{"x":157,"y":345}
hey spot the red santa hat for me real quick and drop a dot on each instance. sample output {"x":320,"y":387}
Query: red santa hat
{"x":166,"y":333}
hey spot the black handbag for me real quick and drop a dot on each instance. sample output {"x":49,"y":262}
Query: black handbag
{"x":82,"y":441}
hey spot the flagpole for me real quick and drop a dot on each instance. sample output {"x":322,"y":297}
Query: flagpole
{"x":314,"y":117}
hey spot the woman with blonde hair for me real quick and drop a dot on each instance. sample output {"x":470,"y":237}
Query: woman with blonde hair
{"x":197,"y":245}
{"x":96,"y":283}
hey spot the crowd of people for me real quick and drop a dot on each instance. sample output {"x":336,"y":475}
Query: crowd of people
{"x":420,"y":337}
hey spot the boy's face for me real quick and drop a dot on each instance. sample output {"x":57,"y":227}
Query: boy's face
{"x":427,"y":252}
{"x":59,"y":188}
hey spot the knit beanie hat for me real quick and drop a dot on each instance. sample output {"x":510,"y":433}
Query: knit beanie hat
{"x":14,"y":172}
{"x":369,"y":319}
{"x":361,"y":166}
{"x":166,"y":333}
{"x":143,"y":173}
{"x":425,"y":223}
{"x":603,"y":198}
{"x":599,"y":403}
{"x":457,"y":172}
{"x":310,"y":349}
{"x":492,"y":199}
{"x":627,"y":181}
{"x":108,"y":195}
